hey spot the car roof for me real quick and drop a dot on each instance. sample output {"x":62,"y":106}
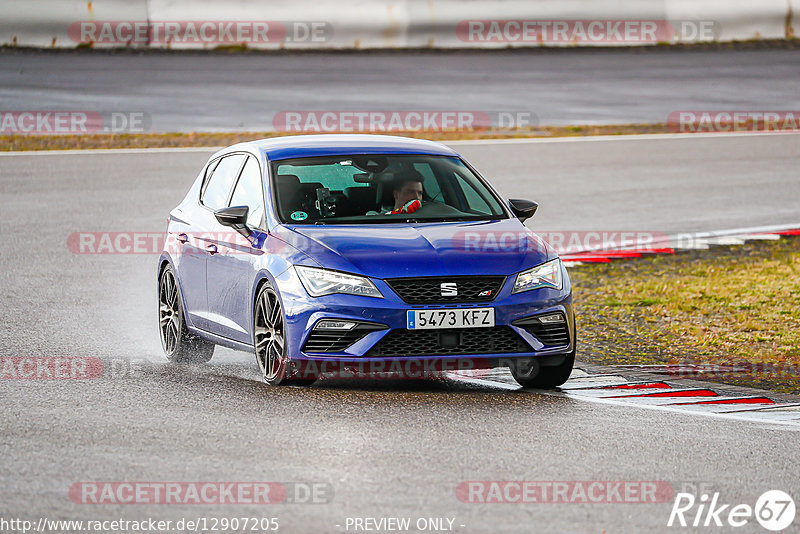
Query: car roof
{"x":301,"y":146}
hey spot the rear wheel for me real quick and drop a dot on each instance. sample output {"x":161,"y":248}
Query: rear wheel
{"x":269,"y":340}
{"x":179,"y":345}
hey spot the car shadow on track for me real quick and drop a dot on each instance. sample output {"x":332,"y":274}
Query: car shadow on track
{"x":237,"y":373}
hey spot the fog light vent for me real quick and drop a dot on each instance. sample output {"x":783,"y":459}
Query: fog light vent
{"x":549,"y":328}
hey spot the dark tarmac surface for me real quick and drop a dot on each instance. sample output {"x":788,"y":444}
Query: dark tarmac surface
{"x":224,"y":92}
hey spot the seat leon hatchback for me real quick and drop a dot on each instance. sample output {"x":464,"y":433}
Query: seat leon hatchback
{"x":326,"y":252}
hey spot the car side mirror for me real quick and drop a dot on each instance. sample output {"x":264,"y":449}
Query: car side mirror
{"x":234,"y":217}
{"x":523,"y":209}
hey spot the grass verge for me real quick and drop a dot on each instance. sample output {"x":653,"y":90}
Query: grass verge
{"x":728,"y":306}
{"x":194,"y":139}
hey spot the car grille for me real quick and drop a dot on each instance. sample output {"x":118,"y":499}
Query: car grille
{"x":337,"y":341}
{"x":495,"y":340}
{"x":429,"y":290}
{"x":551,"y":335}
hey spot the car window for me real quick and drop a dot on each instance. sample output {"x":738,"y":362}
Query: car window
{"x":475,"y":202}
{"x":429,"y":183}
{"x":218,"y":186}
{"x":248,"y":192}
{"x":336,"y":176}
{"x":211,"y":167}
{"x":366,"y":189}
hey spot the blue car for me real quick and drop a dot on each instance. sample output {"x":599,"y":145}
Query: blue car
{"x":354,"y":252}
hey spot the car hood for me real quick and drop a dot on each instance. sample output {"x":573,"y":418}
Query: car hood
{"x":431,"y":249}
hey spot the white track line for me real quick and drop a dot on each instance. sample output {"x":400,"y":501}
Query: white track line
{"x":794,"y":425}
{"x":643,"y":393}
{"x":626,"y":137}
{"x":697,"y":240}
{"x":96,"y":151}
{"x":787,"y":420}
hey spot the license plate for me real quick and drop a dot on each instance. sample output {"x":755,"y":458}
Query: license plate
{"x":457,"y":318}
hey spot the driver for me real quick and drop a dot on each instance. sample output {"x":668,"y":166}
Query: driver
{"x":407,"y":193}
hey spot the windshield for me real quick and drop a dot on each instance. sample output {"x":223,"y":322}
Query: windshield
{"x":375,"y":189}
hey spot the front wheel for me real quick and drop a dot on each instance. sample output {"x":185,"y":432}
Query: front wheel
{"x":179,"y":345}
{"x":269,"y":340}
{"x":529,"y":374}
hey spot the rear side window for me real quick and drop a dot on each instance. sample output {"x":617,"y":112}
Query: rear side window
{"x":218,"y":185}
{"x":248,"y":192}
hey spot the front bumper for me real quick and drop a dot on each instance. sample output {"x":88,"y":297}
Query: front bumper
{"x":382,"y":323}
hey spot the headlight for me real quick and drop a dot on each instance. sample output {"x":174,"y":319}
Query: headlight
{"x":545,"y":275}
{"x":319,"y":282}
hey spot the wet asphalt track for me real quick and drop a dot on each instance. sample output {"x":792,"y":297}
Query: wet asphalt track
{"x":385,"y":448}
{"x":222,"y":92}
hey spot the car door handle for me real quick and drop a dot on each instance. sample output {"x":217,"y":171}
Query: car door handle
{"x":183,"y":238}
{"x":211,"y":249}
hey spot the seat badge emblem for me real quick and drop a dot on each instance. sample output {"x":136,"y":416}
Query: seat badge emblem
{"x":449,"y":289}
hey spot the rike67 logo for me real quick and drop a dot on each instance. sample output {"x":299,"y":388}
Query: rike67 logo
{"x":774,"y":510}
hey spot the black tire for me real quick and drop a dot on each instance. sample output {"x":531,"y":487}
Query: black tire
{"x":529,"y":374}
{"x":179,"y":345}
{"x":269,"y":342}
